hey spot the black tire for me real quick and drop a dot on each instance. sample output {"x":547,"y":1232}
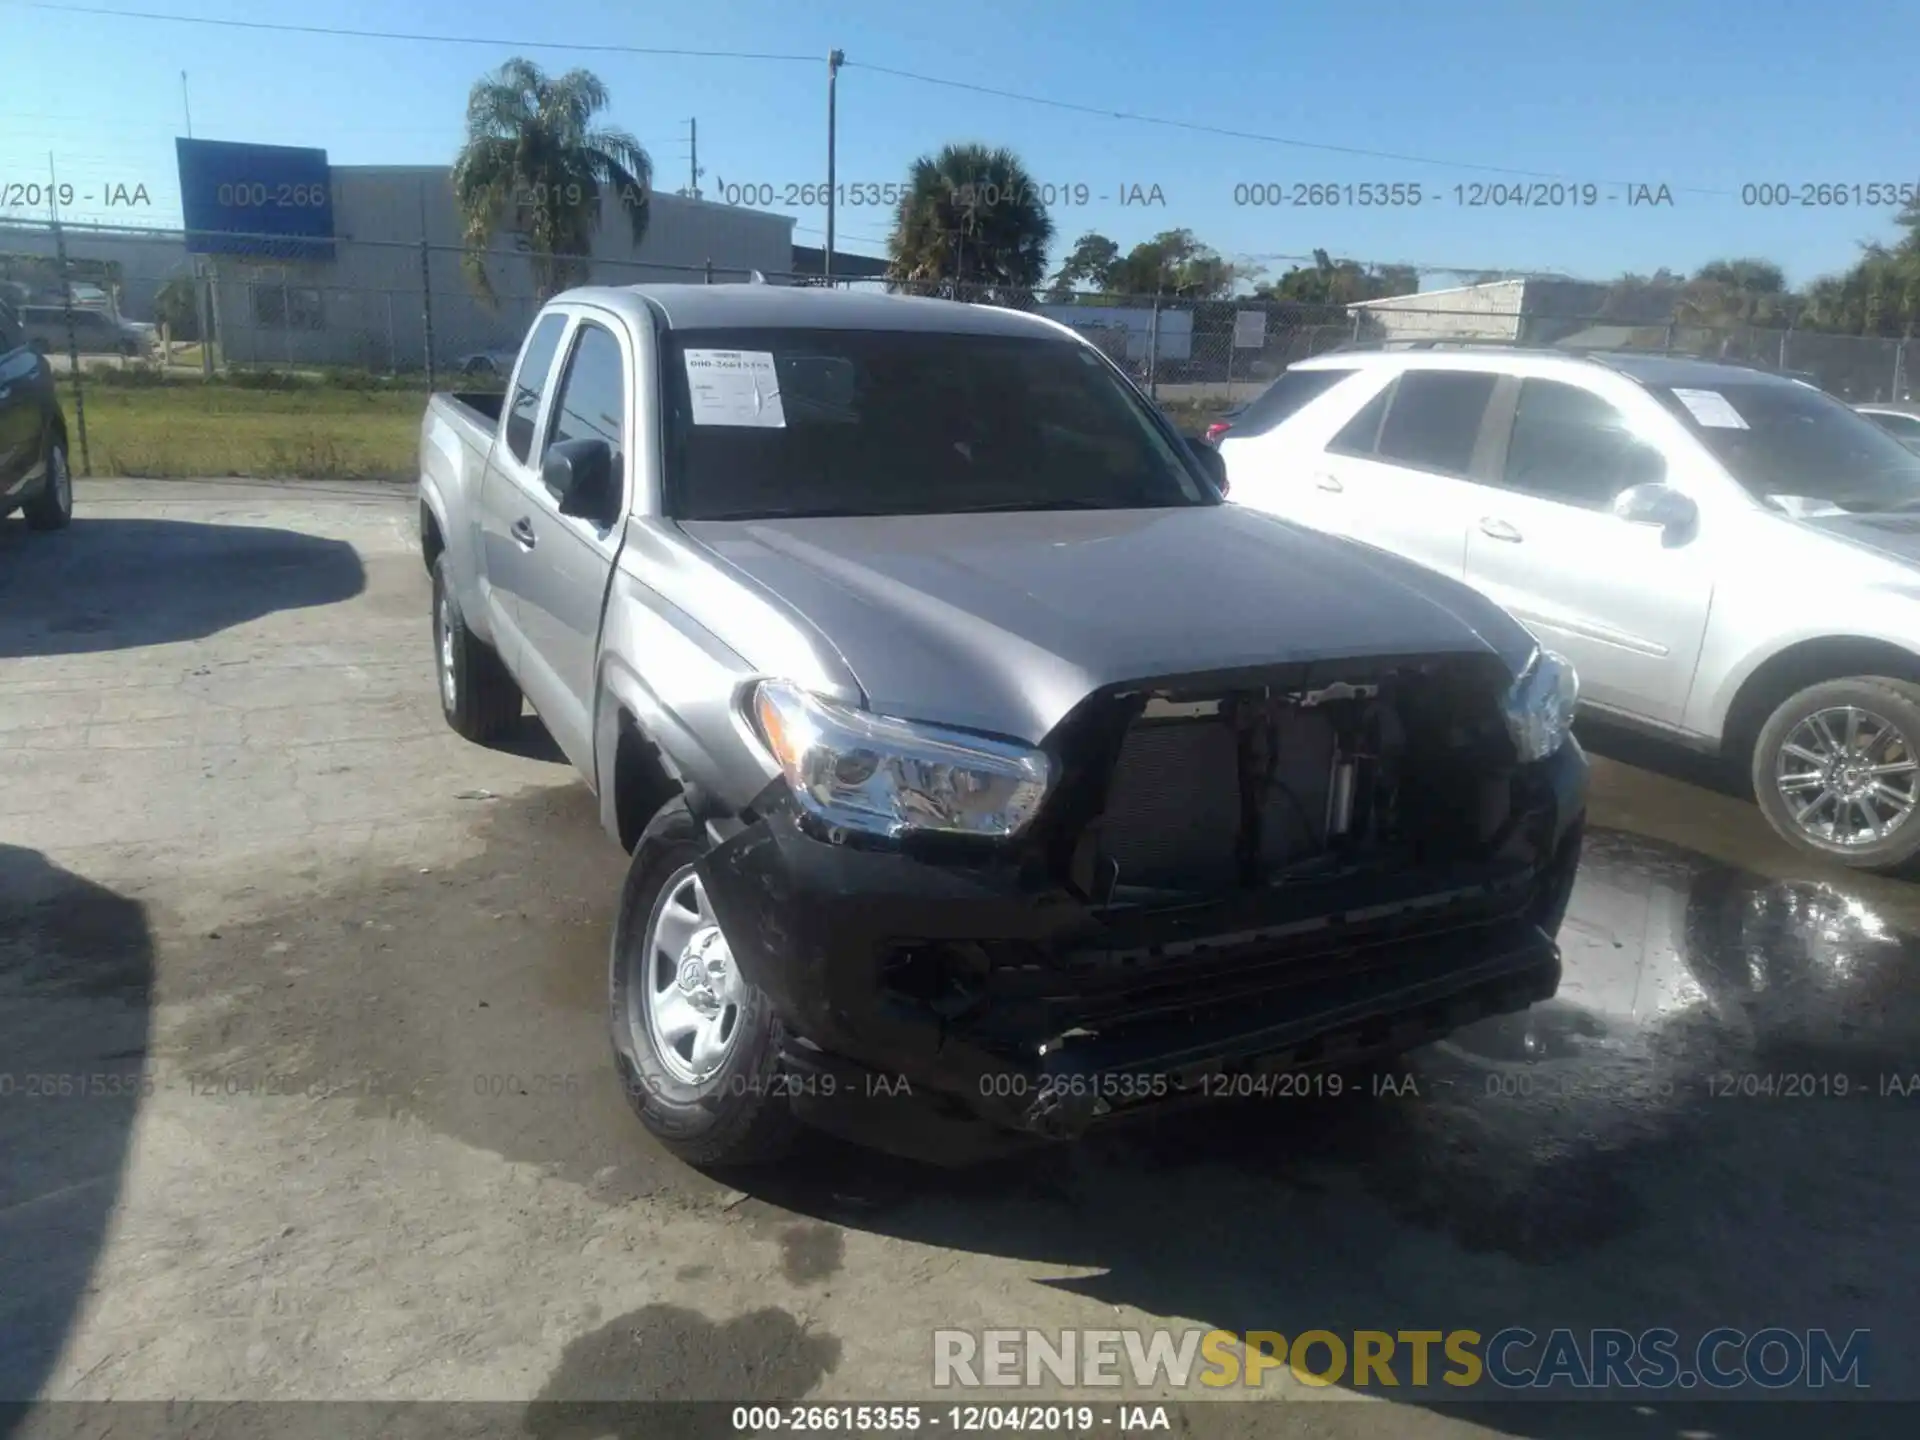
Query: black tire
{"x":52,"y":508}
{"x":1894,"y":701}
{"x":738,"y":1116}
{"x":477,"y":695}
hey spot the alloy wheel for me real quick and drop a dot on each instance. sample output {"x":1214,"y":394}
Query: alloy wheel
{"x":1847,"y":776}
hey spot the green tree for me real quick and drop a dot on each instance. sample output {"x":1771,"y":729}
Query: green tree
{"x":1735,"y":292}
{"x":535,"y":162}
{"x":971,"y":225}
{"x":1330,"y":282}
{"x":1643,"y":299}
{"x":1173,"y":263}
{"x":1091,"y":263}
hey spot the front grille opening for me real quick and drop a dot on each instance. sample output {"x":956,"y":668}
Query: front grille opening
{"x":1288,"y":783}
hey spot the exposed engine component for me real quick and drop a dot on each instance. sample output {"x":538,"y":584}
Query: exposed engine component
{"x":1251,"y":787}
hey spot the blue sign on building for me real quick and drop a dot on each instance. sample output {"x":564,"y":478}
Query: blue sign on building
{"x":270,"y":201}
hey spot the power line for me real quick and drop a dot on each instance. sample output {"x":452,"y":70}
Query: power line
{"x":344,"y":32}
{"x":1199,"y":128}
{"x":1166,"y":122}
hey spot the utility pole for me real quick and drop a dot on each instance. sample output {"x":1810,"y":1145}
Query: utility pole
{"x":186,"y":104}
{"x":66,"y":293}
{"x":835,"y":59}
{"x":694,"y":172}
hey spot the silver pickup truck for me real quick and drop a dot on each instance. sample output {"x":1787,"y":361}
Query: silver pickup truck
{"x":985,"y":776}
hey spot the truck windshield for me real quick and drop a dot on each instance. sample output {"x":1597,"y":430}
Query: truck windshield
{"x":777,"y":423}
{"x":1798,"y":448}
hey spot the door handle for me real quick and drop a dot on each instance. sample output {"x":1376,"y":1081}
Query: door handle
{"x":523,"y":532}
{"x":1498,"y":530}
{"x":1329,"y":482}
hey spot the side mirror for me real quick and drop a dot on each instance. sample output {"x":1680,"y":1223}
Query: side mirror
{"x":583,"y":477}
{"x":1211,"y":461}
{"x":1658,"y":505}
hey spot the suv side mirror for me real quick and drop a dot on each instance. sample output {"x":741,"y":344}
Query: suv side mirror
{"x":1211,"y":461}
{"x":1658,"y":505}
{"x":584,"y":478}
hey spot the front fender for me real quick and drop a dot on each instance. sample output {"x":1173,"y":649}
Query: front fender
{"x":1720,"y":683}
{"x":680,"y":687}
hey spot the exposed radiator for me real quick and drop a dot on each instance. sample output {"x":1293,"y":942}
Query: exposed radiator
{"x":1174,"y":814}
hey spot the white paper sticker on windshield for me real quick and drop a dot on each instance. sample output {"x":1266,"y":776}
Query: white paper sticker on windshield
{"x":1711,"y":409}
{"x":735,"y":387}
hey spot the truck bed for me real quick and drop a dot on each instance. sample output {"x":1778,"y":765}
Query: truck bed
{"x":487,"y":404}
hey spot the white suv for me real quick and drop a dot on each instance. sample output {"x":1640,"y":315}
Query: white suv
{"x":1731,"y":559}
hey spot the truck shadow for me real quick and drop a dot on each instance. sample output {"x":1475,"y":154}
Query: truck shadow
{"x":1714,"y":1124}
{"x":76,"y":986}
{"x":114,"y":584}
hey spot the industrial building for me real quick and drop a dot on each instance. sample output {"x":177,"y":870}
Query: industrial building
{"x":1533,"y":311}
{"x":397,"y":268}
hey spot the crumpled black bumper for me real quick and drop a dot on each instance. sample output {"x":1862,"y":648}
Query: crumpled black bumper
{"x":1014,"y":1010}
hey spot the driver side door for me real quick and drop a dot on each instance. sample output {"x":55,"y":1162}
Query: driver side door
{"x":1626,"y":603}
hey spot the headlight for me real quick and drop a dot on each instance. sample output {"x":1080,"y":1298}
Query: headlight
{"x":889,"y":777}
{"x":1539,"y":707}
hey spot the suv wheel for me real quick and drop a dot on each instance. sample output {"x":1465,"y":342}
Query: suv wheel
{"x":52,"y":508}
{"x":696,"y":1045}
{"x":477,"y":695}
{"x":1837,"y":771}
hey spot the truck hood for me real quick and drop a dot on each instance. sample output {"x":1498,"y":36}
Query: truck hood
{"x":1004,"y":622}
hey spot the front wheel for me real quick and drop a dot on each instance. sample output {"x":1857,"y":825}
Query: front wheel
{"x":697,"y":1045}
{"x":52,"y":508}
{"x":1836,"y":771}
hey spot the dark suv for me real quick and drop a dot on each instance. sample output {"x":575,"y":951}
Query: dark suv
{"x":33,"y":434}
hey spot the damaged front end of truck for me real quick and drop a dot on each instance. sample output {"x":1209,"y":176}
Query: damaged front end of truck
{"x":1304,"y":865}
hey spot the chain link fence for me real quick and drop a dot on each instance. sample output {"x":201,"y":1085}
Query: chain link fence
{"x":411,"y":316}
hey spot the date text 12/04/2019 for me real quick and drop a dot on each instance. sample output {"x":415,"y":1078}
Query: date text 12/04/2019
{"x":1376,"y":195}
{"x":44,"y":194}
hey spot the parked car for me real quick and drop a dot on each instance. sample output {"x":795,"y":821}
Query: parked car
{"x":1219,"y":426}
{"x":94,"y":332}
{"x":984,"y":775}
{"x":486,"y":362}
{"x":1731,"y":559}
{"x":1903,"y":425}
{"x":33,"y":433}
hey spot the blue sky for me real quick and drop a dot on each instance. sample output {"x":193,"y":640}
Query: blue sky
{"x":1702,"y":96}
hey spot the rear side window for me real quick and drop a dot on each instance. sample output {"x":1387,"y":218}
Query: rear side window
{"x":1358,"y":435}
{"x":1434,"y":419}
{"x":531,"y":384}
{"x":1288,"y":395}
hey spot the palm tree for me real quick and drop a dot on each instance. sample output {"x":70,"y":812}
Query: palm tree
{"x":535,"y":160}
{"x":971,"y":225}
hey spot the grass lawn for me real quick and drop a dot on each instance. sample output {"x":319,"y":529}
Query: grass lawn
{"x":316,"y":431}
{"x":187,"y":427}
